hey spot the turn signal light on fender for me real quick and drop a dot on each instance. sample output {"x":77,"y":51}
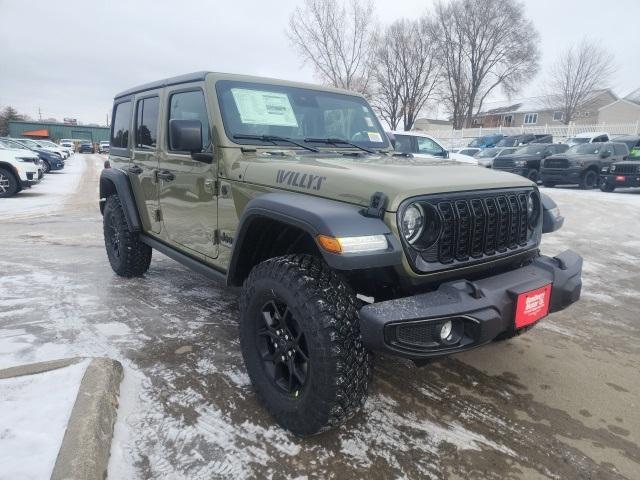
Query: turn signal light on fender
{"x":366,"y":243}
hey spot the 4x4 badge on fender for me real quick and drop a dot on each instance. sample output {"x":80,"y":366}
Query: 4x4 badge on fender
{"x":301,"y":180}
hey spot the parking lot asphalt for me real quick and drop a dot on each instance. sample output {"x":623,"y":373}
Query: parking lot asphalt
{"x":560,"y":402}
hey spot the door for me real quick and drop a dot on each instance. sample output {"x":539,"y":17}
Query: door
{"x":188,"y":200}
{"x":144,"y":160}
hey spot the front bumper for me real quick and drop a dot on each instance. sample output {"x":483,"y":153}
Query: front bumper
{"x":561,"y":175}
{"x":622,"y":180}
{"x":482,"y":309}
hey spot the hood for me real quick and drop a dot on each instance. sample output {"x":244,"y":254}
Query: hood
{"x":355,"y":179}
{"x":576,"y":156}
{"x":524,"y":157}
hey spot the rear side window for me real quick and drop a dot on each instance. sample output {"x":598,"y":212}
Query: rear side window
{"x":147,"y":123}
{"x":120,"y":125}
{"x":620,"y":149}
{"x":190,"y":106}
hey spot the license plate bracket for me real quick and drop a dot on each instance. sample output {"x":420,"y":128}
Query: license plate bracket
{"x":533,"y":305}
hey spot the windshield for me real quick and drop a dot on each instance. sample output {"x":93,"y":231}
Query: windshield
{"x":298,"y":114}
{"x":30,"y":143}
{"x":531,"y":150}
{"x":586,"y":148}
{"x":488,"y":153}
{"x":507,"y":142}
{"x":477,"y":142}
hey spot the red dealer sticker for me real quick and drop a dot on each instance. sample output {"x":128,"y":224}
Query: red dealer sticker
{"x":620,"y":178}
{"x":532,"y":306}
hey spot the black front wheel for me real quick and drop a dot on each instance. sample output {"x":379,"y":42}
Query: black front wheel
{"x":607,"y":187}
{"x":46,"y":167}
{"x":301,"y":343}
{"x":8,"y":183}
{"x":533,"y":175}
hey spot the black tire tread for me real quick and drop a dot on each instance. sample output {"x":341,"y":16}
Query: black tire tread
{"x":14,"y":186}
{"x":332,"y":306}
{"x":136,"y":256}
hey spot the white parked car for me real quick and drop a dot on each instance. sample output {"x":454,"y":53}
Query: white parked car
{"x":23,"y":153}
{"x":588,"y":137}
{"x":16,"y":173}
{"x":485,"y":157}
{"x":68,"y":146}
{"x":421,"y":145}
{"x":50,"y":144}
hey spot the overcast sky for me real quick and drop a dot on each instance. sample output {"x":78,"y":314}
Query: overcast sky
{"x":69,"y":57}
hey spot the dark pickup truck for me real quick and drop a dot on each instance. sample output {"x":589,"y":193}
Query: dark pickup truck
{"x":582,"y":164}
{"x":526,"y":160}
{"x":524,"y":139}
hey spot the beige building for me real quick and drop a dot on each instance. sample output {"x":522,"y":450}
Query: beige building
{"x":427,"y":124}
{"x":624,"y":110}
{"x":535,"y":111}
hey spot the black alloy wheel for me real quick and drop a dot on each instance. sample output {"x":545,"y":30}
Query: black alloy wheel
{"x":282,"y":347}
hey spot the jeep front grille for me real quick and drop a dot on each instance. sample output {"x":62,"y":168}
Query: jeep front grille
{"x":625,"y":169}
{"x":476,"y":227}
{"x":504,"y":163}
{"x":556,"y":163}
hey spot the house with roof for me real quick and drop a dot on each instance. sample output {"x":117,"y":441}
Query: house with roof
{"x":623,"y":110}
{"x":540,"y":111}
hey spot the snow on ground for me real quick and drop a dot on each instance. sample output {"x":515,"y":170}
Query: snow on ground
{"x":33,"y":419}
{"x":47,"y":196}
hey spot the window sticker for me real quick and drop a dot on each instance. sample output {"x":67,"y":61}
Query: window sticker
{"x":374,"y":137}
{"x":264,"y":108}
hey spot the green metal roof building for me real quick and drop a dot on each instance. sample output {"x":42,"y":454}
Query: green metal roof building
{"x":56,"y":131}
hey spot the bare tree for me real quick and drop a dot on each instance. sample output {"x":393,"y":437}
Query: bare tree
{"x":338,"y":39}
{"x":577,"y":74}
{"x":406,"y":72}
{"x":484,"y":44}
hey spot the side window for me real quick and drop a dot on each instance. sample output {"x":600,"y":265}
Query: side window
{"x":120,"y":125}
{"x":620,"y":149}
{"x":190,"y":106}
{"x":147,"y":123}
{"x":426,"y":145}
{"x":403,"y":144}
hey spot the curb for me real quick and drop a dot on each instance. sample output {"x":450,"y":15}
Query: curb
{"x":34,"y":368}
{"x":84,"y":453}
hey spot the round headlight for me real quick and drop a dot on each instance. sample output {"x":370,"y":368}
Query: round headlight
{"x":412,"y":222}
{"x":533,"y":209}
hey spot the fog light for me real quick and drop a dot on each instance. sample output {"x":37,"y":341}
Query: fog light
{"x":445,"y":330}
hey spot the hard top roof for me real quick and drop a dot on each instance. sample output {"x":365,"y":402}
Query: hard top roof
{"x":200,"y":76}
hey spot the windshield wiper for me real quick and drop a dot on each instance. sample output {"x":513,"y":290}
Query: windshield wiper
{"x":336,"y":141}
{"x":273,"y":139}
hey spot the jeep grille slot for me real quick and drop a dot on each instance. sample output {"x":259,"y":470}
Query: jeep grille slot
{"x":625,"y":169}
{"x":477,"y":226}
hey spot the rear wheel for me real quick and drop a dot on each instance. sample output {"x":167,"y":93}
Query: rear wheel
{"x":128,"y":256}
{"x":301,"y":343}
{"x":8,"y":183}
{"x":589,"y":180}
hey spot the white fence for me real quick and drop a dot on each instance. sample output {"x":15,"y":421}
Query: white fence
{"x":459,"y":138}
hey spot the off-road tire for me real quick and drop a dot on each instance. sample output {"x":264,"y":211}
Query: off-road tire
{"x":339,"y":365}
{"x":607,"y":187}
{"x":549,"y":184}
{"x":9,"y":186}
{"x":589,"y":180}
{"x":46,"y":166}
{"x":131,"y":257}
{"x":533,"y":175}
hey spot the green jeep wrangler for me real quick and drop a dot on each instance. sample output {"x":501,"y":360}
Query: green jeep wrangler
{"x":341,"y":247}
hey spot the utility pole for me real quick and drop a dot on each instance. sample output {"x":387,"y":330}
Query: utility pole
{"x":39,"y":114}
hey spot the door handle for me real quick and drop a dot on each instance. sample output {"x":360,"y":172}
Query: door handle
{"x":166,"y":175}
{"x":135,"y":169}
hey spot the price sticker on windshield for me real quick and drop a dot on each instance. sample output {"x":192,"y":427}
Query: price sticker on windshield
{"x":259,"y":107}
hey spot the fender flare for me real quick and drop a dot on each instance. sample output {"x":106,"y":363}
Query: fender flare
{"x":116,"y":181}
{"x":551,"y":221}
{"x":318,"y":216}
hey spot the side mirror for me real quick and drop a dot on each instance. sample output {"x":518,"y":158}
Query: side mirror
{"x":445,"y":153}
{"x":185,"y":135}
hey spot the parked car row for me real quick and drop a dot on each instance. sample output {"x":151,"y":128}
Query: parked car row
{"x":23,"y":166}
